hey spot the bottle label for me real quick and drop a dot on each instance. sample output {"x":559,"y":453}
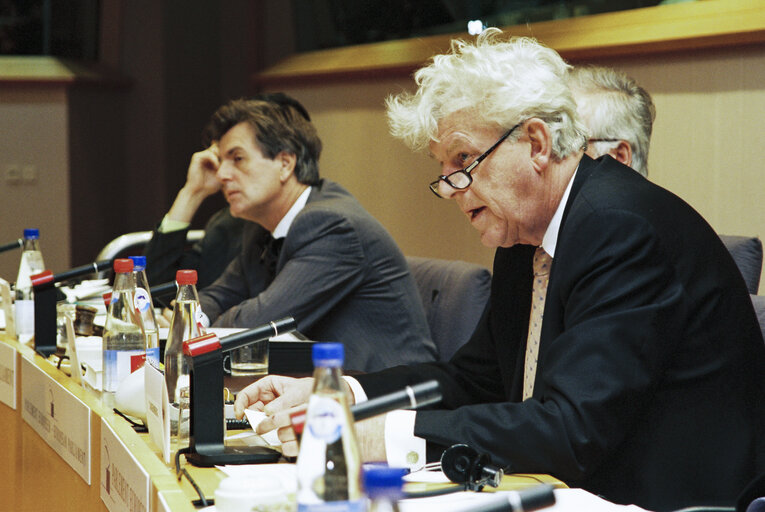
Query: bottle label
{"x":324,"y":420}
{"x":328,"y":465}
{"x":25,"y":316}
{"x":141,"y":300}
{"x":152,"y":357}
{"x":333,"y":506}
{"x":119,"y":364}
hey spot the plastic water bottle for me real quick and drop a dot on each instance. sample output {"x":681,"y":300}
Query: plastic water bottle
{"x":124,"y":340}
{"x":31,"y":264}
{"x":145,"y":306}
{"x":329,"y":463}
{"x":383,"y":486}
{"x":185,"y":324}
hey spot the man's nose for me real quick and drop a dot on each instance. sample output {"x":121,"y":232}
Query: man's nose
{"x":445,"y":190}
{"x":223,"y":174}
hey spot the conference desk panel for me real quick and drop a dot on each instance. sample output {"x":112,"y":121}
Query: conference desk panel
{"x":34,"y":476}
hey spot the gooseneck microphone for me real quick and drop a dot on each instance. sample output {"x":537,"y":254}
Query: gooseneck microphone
{"x":411,"y":397}
{"x":204,"y":355}
{"x":45,"y":303}
{"x":13,"y":245}
{"x":163,"y":289}
{"x":47,"y":276}
{"x":210,"y":342}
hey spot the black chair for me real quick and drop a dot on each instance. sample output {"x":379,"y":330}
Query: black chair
{"x":747,"y":253}
{"x":454,"y":295}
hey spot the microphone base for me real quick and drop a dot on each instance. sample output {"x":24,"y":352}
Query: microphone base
{"x":233,"y":455}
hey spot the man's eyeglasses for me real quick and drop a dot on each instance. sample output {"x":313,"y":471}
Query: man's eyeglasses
{"x":462,"y":179}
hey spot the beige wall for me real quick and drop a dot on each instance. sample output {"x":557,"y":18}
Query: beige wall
{"x":707,"y":148}
{"x":33,"y":123}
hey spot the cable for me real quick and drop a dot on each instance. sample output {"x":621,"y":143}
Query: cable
{"x":181,"y":472}
{"x":434,"y":492}
{"x":141,"y":428}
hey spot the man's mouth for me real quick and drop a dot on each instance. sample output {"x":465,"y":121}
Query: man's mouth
{"x":475,"y":212}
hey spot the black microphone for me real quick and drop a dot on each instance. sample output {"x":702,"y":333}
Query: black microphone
{"x":82,"y":270}
{"x":210,"y":342}
{"x":263,"y":332}
{"x":13,"y":245}
{"x":163,"y":289}
{"x":411,"y":397}
{"x":48,"y":278}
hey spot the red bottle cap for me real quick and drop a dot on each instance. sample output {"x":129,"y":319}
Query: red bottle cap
{"x":122,"y":265}
{"x":186,"y":277}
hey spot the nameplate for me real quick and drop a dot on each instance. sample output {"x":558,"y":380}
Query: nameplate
{"x":125,"y":486}
{"x":59,"y":417}
{"x":162,"y":504}
{"x":8,"y":375}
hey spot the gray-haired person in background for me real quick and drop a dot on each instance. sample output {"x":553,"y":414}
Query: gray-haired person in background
{"x":617,"y":112}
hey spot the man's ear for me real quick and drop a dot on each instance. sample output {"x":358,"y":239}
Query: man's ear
{"x":622,"y":152}
{"x":288,"y":162}
{"x":540,"y":139}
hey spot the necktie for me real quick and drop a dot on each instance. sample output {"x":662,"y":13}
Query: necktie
{"x":270,"y":255}
{"x":542,"y":262}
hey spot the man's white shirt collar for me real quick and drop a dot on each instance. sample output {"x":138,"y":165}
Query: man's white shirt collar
{"x":550,"y":239}
{"x":284,"y":225}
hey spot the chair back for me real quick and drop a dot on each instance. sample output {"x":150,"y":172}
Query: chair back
{"x":747,"y":253}
{"x":454,"y":295}
{"x":133,"y":243}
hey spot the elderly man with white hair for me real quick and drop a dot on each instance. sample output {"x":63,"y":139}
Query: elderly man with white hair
{"x":617,"y":113}
{"x":619,"y":350}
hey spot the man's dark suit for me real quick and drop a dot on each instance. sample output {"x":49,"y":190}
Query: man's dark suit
{"x":339,"y":274}
{"x":649,"y":382}
{"x":166,"y":253}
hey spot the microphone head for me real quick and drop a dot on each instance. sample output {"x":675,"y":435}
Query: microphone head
{"x":462,"y":464}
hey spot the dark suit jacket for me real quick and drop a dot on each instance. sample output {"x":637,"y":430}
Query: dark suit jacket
{"x":649,"y":382}
{"x":166,"y":253}
{"x":339,"y":274}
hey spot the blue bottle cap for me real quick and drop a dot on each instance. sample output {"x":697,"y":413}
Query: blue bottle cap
{"x":328,"y":354}
{"x":383,"y":481}
{"x":139,"y":263}
{"x":32,"y":233}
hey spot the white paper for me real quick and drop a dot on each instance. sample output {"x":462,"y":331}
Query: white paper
{"x":8,"y":320}
{"x":71,"y":350}
{"x":255,"y":417}
{"x":566,"y":500}
{"x":157,"y":407}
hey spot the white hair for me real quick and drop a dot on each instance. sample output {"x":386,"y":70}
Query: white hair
{"x":617,"y":108}
{"x":502,"y":82}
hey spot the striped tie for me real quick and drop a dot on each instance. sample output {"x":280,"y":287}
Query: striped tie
{"x":542,"y":262}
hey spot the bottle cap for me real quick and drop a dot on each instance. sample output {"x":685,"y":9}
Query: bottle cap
{"x":186,"y":277}
{"x":139,"y":263}
{"x":384,"y":481}
{"x":328,"y":354}
{"x":123,"y":265}
{"x":32,"y":233}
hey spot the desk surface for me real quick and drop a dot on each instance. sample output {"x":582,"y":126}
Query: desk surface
{"x":33,"y":476}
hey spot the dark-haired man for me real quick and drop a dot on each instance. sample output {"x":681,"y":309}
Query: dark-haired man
{"x":311,"y":251}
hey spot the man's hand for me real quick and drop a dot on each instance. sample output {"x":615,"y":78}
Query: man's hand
{"x":200,"y":184}
{"x":277,"y":396}
{"x":200,"y":177}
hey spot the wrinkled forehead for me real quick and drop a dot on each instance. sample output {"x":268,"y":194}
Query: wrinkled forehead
{"x":460,"y":128}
